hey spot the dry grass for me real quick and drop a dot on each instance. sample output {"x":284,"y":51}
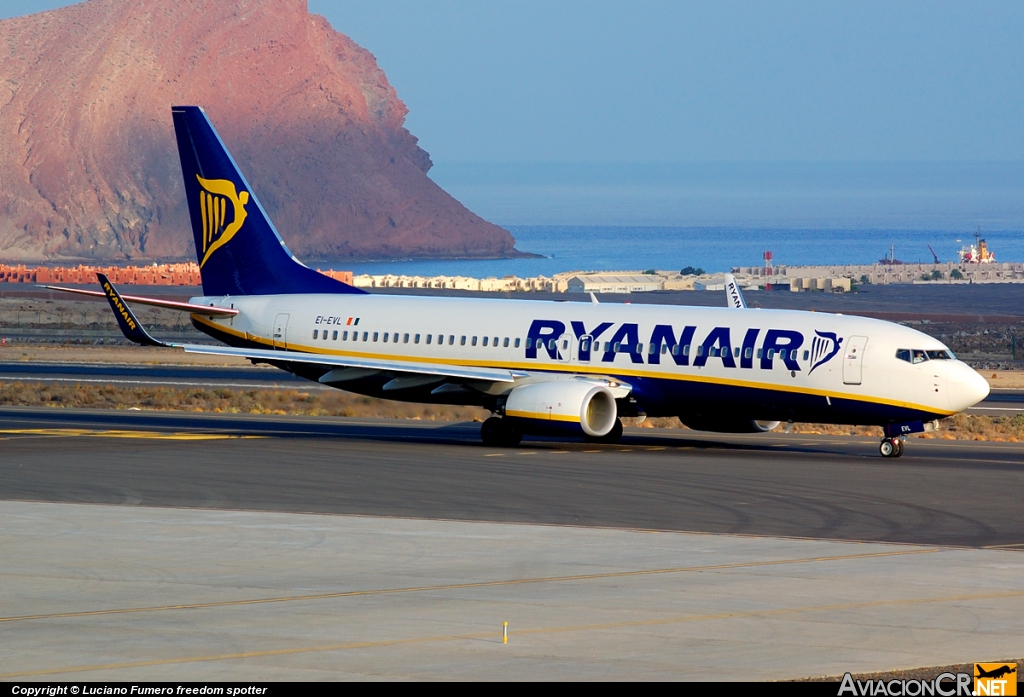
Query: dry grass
{"x":136,"y":355}
{"x":338,"y":403}
{"x":1008,"y":429}
{"x":226,"y":401}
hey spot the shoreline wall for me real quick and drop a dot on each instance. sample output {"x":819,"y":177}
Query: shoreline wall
{"x":186,"y":274}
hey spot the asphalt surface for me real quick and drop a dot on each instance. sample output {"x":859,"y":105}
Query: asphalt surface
{"x":1006,"y":402}
{"x":939,"y":492}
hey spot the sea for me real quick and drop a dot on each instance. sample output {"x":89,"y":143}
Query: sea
{"x":602,"y":248}
{"x":716,"y":216}
{"x":569,"y":248}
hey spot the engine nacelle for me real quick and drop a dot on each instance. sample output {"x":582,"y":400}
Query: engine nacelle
{"x":563,"y":406}
{"x":716,"y":425}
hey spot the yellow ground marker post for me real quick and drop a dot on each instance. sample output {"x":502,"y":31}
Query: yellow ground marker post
{"x":504,"y":633}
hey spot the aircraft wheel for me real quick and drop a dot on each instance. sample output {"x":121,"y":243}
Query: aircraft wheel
{"x":497,"y":433}
{"x":890,"y":447}
{"x":512,"y":435}
{"x":491,"y":430}
{"x":613,"y":436}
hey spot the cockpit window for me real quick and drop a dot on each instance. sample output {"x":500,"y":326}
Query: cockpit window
{"x":919,"y":356}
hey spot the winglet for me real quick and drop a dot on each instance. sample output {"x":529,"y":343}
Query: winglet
{"x":733,"y":294}
{"x":126,"y":320}
{"x":593,"y":298}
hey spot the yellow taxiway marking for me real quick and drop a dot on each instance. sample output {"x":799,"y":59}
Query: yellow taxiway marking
{"x":495,"y":455}
{"x":472,"y":584}
{"x":84,"y":432}
{"x":348,"y":646}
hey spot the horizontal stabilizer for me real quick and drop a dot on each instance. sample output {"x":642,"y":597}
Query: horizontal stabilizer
{"x":155,"y":302}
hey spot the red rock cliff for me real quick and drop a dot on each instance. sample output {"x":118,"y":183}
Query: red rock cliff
{"x":88,"y":162}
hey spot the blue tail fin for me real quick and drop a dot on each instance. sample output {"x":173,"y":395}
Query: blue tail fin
{"x":239,"y":251}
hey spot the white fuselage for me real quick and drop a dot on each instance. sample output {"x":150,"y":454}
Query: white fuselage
{"x":767,"y":363}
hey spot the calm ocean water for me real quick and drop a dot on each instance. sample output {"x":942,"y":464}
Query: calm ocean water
{"x":582,"y":216}
{"x":569,"y":248}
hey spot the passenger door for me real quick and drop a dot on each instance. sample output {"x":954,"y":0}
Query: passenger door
{"x":853,"y":360}
{"x":565,"y":347}
{"x":281,"y":331}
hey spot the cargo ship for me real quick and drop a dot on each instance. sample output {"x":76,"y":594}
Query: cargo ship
{"x":977,"y":253}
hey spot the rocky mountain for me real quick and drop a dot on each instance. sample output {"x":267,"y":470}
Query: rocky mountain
{"x":88,"y":162}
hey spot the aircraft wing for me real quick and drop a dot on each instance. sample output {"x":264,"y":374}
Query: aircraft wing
{"x":417,"y":368}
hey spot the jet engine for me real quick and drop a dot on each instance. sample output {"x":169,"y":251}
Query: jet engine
{"x":719,"y":425}
{"x":563,"y":407}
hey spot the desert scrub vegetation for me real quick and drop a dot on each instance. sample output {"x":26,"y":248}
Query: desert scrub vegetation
{"x":338,"y":403}
{"x":226,"y":401}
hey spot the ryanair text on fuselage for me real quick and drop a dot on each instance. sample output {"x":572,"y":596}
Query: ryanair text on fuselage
{"x":756,"y":347}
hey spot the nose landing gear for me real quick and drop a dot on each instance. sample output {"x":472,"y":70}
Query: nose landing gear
{"x":891,"y":447}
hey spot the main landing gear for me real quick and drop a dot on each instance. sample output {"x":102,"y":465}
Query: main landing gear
{"x":497,"y":432}
{"x":891,"y":447}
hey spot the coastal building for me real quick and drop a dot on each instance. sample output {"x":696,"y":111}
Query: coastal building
{"x":609,"y":283}
{"x":812,"y":277}
{"x":823,"y":279}
{"x":185,"y":274}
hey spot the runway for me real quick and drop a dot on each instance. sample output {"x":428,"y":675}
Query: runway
{"x":940,"y":492}
{"x":1007,"y":402}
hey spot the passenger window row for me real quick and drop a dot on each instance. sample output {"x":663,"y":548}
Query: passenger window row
{"x":911,"y":356}
{"x":405,"y":338}
{"x":676,"y":349}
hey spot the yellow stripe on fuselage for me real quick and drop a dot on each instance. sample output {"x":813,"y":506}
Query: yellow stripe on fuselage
{"x":581,"y":370}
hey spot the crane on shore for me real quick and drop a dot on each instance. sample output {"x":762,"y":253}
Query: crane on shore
{"x":934,"y":255}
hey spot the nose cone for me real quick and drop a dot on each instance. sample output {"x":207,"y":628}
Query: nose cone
{"x":966,"y":386}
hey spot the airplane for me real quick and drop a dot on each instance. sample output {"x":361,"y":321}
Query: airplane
{"x":995,"y":673}
{"x":733,"y":294}
{"x":567,"y":369}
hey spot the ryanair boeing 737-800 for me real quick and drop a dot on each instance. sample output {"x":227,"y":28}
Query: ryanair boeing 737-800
{"x":541,"y":367}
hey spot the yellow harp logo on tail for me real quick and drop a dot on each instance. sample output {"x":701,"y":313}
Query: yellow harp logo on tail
{"x":213,"y":204}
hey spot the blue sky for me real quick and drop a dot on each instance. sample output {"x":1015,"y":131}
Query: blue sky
{"x":649,"y":81}
{"x":707,"y":81}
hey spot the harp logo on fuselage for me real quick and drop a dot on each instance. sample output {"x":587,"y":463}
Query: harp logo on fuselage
{"x":605,"y":342}
{"x":214,"y":199}
{"x":824,"y":347}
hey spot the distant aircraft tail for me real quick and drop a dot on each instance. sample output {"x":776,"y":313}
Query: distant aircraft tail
{"x":238,"y":248}
{"x":733,"y":294}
